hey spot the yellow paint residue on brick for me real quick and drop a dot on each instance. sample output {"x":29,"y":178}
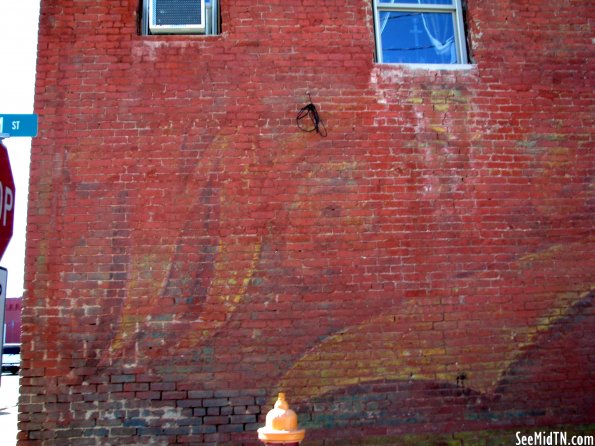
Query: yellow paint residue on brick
{"x":364,"y":353}
{"x":229,"y":285}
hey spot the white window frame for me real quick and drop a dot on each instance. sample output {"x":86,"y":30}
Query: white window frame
{"x":210,"y":21}
{"x":456,"y":9}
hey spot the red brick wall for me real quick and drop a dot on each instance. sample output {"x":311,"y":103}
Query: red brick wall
{"x":424,"y":274}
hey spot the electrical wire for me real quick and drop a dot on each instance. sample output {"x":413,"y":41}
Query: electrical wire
{"x":308,"y":119}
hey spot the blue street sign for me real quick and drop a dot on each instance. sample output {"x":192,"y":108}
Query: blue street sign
{"x":18,"y":125}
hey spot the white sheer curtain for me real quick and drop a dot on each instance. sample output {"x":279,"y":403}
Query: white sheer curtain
{"x":437,"y":31}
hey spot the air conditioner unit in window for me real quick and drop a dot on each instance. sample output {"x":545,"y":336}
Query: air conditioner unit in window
{"x":177,"y":17}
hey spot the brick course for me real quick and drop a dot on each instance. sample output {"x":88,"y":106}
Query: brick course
{"x":422,"y":275}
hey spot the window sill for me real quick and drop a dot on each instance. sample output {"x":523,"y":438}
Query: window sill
{"x":429,"y":66}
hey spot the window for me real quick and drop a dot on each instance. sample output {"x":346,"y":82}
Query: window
{"x":420,"y":31}
{"x":180,"y":17}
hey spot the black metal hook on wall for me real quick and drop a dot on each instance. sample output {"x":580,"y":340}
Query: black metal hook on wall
{"x":309,"y":120}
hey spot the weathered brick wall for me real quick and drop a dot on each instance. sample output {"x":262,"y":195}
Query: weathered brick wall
{"x":424,"y":274}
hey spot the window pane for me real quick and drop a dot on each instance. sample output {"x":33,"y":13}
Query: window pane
{"x":416,"y":2}
{"x":412,"y":37}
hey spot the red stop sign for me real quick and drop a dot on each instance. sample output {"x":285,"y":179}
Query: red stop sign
{"x":7,"y":194}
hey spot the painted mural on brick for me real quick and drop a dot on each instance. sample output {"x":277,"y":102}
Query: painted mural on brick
{"x":422,"y":274}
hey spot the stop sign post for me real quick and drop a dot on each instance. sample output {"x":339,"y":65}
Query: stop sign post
{"x":7,"y":196}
